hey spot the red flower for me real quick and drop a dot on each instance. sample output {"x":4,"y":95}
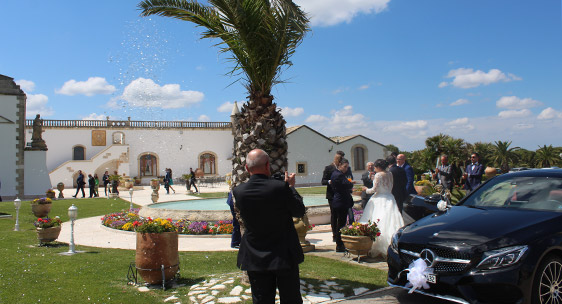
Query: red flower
{"x":378,"y":233}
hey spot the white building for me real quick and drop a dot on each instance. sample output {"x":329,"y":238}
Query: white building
{"x":146,"y":148}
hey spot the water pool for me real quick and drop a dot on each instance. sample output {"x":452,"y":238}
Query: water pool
{"x":220,"y":203}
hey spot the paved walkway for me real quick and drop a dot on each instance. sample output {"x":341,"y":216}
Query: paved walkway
{"x":90,"y":232}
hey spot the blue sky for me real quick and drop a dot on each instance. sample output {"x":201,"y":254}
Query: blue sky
{"x":395,"y":71}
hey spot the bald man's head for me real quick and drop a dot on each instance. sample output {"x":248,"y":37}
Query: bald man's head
{"x":257,"y":162}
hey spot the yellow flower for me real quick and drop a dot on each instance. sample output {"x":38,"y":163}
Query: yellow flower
{"x":128,"y":227}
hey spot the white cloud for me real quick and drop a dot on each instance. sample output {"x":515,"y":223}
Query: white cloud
{"x":406,"y":126}
{"x":459,"y":121}
{"x":549,"y":113}
{"x":94,"y":116}
{"x":314,"y":119}
{"x":288,"y":112}
{"x":37,"y":104}
{"x":468,"y":78}
{"x":523,"y":126}
{"x":515,"y":113}
{"x":26,"y":85}
{"x":226,"y":107}
{"x":143,"y":92}
{"x":459,"y":124}
{"x":516,"y":103}
{"x":364,"y":87}
{"x":332,"y":12}
{"x":90,"y":87}
{"x":443,"y":84}
{"x":204,"y":118}
{"x":459,"y":102}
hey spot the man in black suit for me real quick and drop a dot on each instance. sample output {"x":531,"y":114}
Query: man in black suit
{"x":80,"y":184}
{"x":270,"y":250}
{"x":399,"y":181}
{"x":367,"y":179}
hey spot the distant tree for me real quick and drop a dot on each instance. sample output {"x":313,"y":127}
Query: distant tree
{"x":392,"y":148}
{"x":526,"y":158}
{"x":436,"y":144}
{"x":503,"y":155}
{"x":547,"y":156}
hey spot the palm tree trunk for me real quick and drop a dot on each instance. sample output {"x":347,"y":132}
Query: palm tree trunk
{"x":258,"y":126}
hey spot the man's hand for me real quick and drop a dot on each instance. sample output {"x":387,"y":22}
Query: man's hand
{"x":290,"y":178}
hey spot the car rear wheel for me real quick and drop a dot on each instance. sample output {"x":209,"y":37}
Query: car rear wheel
{"x":547,"y":285}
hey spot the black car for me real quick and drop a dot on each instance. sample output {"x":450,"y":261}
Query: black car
{"x":501,"y":244}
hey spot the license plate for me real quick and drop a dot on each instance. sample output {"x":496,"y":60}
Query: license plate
{"x":431,"y":278}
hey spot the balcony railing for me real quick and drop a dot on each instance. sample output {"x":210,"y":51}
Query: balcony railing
{"x":51,"y":123}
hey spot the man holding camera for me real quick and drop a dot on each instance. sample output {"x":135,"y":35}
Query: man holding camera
{"x":270,"y":250}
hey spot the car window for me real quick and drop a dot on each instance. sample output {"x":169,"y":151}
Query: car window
{"x":537,"y":193}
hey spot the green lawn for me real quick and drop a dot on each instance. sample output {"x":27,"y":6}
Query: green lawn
{"x":31,"y":274}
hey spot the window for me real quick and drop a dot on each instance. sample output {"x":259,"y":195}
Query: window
{"x":207,"y":163}
{"x":119,"y":138}
{"x":78,"y":153}
{"x":301,"y":169}
{"x":358,"y":158}
{"x":148,"y":165}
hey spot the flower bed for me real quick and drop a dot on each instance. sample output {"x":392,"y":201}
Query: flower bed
{"x":130,"y":219}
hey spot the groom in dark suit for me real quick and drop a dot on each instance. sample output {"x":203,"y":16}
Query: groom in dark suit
{"x":270,"y":250}
{"x":399,"y":181}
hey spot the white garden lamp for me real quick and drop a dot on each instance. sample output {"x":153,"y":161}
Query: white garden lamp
{"x":17,"y":204}
{"x":131,"y":194}
{"x":72,"y":214}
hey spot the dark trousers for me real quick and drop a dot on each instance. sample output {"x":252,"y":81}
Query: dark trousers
{"x":92,"y":191}
{"x":350,"y":216}
{"x":333,"y":220}
{"x":106,"y":186}
{"x":192,"y":183}
{"x":264,"y":283}
{"x":341,"y":217}
{"x":236,"y":236}
{"x":80,"y":187}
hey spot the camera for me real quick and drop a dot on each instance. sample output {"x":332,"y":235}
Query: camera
{"x":278,"y":176}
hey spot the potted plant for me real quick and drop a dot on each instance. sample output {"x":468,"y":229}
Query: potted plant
{"x":48,"y":229}
{"x":423,"y":187}
{"x":358,"y":238}
{"x":137,"y":180}
{"x":50,"y":193}
{"x":41,"y":206}
{"x":156,"y":258}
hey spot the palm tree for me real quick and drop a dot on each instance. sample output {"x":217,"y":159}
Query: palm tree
{"x":546,"y":156}
{"x":503,"y":155}
{"x":260,"y":36}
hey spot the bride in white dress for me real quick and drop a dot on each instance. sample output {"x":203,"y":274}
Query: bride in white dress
{"x":382,"y":209}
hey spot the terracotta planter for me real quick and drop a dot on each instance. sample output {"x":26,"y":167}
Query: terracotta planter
{"x":41,"y":210}
{"x":48,"y":234}
{"x":420,"y":189}
{"x":155,"y":250}
{"x":359,"y":245}
{"x":490,"y":172}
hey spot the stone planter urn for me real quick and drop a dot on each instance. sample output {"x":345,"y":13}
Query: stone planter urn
{"x":359,"y":245}
{"x":60,"y":187}
{"x":490,"y":172}
{"x":302,"y":226}
{"x":41,"y":210}
{"x":48,"y":234}
{"x":420,"y":189}
{"x":157,"y":258}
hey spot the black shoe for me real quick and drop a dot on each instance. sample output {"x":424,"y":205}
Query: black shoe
{"x":74,"y":196}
